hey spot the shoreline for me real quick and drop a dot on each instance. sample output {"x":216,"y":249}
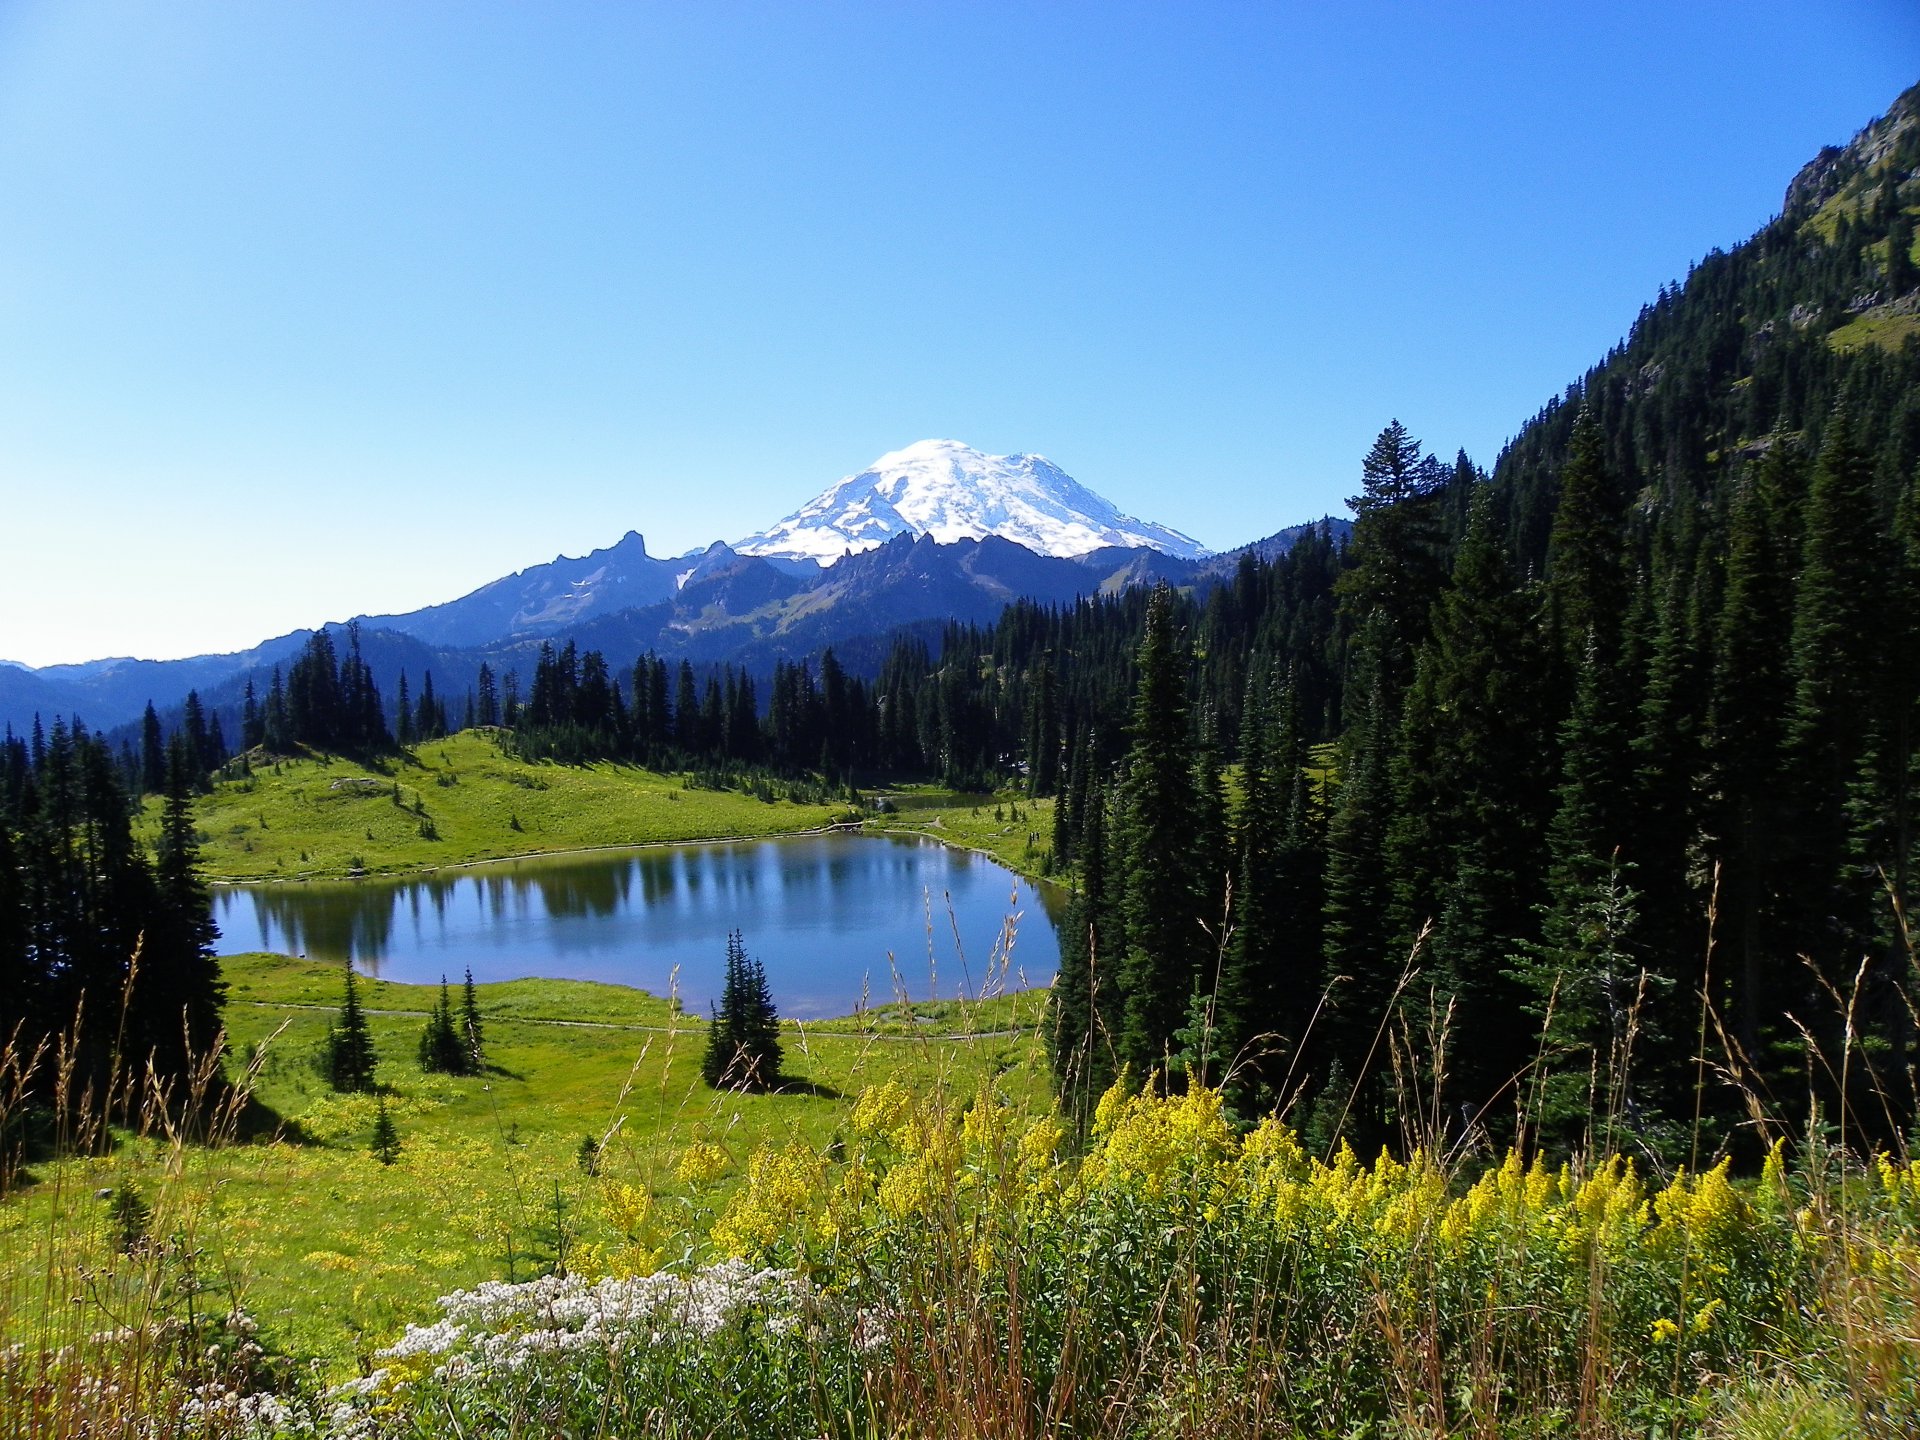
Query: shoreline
{"x":413,"y":871}
{"x":838,"y":828}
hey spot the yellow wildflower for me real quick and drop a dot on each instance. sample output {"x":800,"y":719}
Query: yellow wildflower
{"x":703,"y":1163}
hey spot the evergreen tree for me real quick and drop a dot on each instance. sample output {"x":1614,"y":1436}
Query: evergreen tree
{"x":1361,"y":969}
{"x":253,"y":721}
{"x":193,"y":727}
{"x":1472,"y":789}
{"x":441,"y":1049}
{"x":1395,"y":569}
{"x":1248,"y":1006}
{"x":472,"y":1031}
{"x":1747,"y":815}
{"x":487,"y":700}
{"x":174,"y":1020}
{"x":349,"y":1053}
{"x":153,"y":753}
{"x":1166,"y":944}
{"x":743,"y":1040}
{"x":403,"y":731}
{"x":1584,"y":576}
{"x":1839,"y":610}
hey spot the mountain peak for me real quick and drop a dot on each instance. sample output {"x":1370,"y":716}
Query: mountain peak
{"x":950,"y":491}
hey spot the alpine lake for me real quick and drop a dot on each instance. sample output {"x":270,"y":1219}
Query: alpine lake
{"x":841,"y":921}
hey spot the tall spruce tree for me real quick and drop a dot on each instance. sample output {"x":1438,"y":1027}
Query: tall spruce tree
{"x":1838,"y":653}
{"x":349,"y":1056}
{"x":1472,"y":789}
{"x":1584,"y":578}
{"x":472,"y":1030}
{"x":178,"y":994}
{"x":1086,"y":1008}
{"x":1166,"y":945}
{"x":441,"y":1051}
{"x":743,"y":1040}
{"x":1747,"y":816}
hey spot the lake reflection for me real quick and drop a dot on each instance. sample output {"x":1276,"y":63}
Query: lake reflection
{"x":822,"y":912}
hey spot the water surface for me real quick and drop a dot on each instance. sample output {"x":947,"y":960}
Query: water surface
{"x":822,"y":912}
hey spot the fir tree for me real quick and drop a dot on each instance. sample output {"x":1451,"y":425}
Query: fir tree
{"x":1472,"y":792}
{"x":487,"y":700}
{"x":1247,"y":1004}
{"x":403,"y":732}
{"x":153,"y":753}
{"x":1087,"y":1006}
{"x":1583,"y":553}
{"x":178,"y":990}
{"x":1746,"y":812}
{"x":1166,"y":946}
{"x":743,"y":1040}
{"x":441,"y":1050}
{"x":349,"y":1050}
{"x":1838,"y":630}
{"x":472,"y":1032}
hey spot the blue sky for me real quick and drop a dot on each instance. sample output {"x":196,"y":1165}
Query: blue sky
{"x":313,"y":309}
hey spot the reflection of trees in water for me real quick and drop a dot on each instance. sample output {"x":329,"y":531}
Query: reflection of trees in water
{"x":577,"y":890}
{"x":820,"y":911}
{"x":330,"y":922}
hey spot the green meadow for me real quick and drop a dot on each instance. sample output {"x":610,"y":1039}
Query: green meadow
{"x":454,"y":801}
{"x":333,"y":1252}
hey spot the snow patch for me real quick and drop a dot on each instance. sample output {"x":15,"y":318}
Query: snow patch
{"x":951,"y":492}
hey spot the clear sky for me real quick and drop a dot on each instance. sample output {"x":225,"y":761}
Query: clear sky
{"x":311,"y":309}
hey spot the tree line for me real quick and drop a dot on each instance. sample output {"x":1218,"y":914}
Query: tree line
{"x":106,"y":952}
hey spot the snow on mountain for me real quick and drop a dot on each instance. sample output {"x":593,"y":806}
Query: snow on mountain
{"x":953,"y":492}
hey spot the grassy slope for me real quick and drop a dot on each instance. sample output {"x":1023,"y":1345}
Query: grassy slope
{"x":1024,"y":844}
{"x":333,"y":1252}
{"x":459,"y":800}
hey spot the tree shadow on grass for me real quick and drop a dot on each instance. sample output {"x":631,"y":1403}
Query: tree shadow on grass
{"x":812,"y":1089}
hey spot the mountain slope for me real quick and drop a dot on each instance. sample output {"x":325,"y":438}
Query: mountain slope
{"x":545,"y":598}
{"x":953,"y":492}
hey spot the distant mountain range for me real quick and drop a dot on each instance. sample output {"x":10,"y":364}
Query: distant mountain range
{"x":934,"y":532}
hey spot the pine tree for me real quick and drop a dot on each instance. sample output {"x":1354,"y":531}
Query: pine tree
{"x":1838,"y":630}
{"x":1361,"y":969}
{"x":253,"y":722}
{"x":153,"y":753}
{"x":487,"y":701}
{"x":1247,"y":1005}
{"x":1087,"y":1007}
{"x":1394,"y":570}
{"x":1584,"y":577}
{"x":1747,"y":817}
{"x":178,"y":989}
{"x":1166,"y":946}
{"x":472,"y":1032}
{"x":1472,"y":795}
{"x":743,"y":1039}
{"x":349,"y":1050}
{"x":441,"y":1050}
{"x":403,"y":732}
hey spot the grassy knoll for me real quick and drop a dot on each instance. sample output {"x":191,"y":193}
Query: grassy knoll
{"x":457,"y":800}
{"x":333,"y":1252}
{"x":1014,"y":830}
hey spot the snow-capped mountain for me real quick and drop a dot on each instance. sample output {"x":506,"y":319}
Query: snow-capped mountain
{"x":953,"y":492}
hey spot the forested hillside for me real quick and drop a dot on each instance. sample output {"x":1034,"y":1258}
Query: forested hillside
{"x":1649,"y":687}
